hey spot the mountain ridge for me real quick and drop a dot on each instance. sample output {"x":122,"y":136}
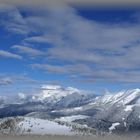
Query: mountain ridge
{"x":111,"y":113}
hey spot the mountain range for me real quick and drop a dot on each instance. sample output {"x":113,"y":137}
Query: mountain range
{"x":75,"y":109}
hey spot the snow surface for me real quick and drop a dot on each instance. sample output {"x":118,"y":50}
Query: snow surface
{"x":72,"y":118}
{"x":113,"y":126}
{"x":125,"y":124}
{"x":40,"y":126}
{"x":69,"y":110}
{"x":129,"y":108}
{"x":123,"y":97}
{"x":131,"y":95}
{"x":123,"y":118}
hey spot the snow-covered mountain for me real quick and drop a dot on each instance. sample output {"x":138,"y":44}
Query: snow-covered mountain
{"x":113,"y":112}
{"x":58,"y":97}
{"x":51,"y":97}
{"x":118,"y":112}
{"x":35,"y":126}
{"x":123,"y":98}
{"x":27,"y":125}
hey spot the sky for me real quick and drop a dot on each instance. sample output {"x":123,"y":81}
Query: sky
{"x":89,"y":46}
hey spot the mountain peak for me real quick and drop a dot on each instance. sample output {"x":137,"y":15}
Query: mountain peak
{"x":123,"y":97}
{"x":56,"y":91}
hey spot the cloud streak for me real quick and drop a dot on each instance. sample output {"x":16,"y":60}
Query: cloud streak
{"x":28,"y":50}
{"x":7,"y":54}
{"x":12,"y":20}
{"x":105,"y":50}
{"x":5,"y":81}
{"x":92,"y":50}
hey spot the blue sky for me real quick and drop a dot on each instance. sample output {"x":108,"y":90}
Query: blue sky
{"x":92,"y":48}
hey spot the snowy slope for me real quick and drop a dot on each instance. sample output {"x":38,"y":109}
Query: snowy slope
{"x":123,"y":98}
{"x":127,"y":100}
{"x":117,"y":112}
{"x":29,"y":125}
{"x":71,"y":118}
{"x":43,"y":127}
{"x":34,"y":126}
{"x":113,"y":126}
{"x":111,"y":112}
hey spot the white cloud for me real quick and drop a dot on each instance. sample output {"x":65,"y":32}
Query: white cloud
{"x":67,"y":69}
{"x":87,"y":73}
{"x":9,"y":55}
{"x":96,"y":51}
{"x":28,"y":50}
{"x":12,"y":20}
{"x":11,"y":84}
{"x":37,"y":39}
{"x":5,"y":81}
{"x":76,"y":39}
{"x":98,"y":46}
